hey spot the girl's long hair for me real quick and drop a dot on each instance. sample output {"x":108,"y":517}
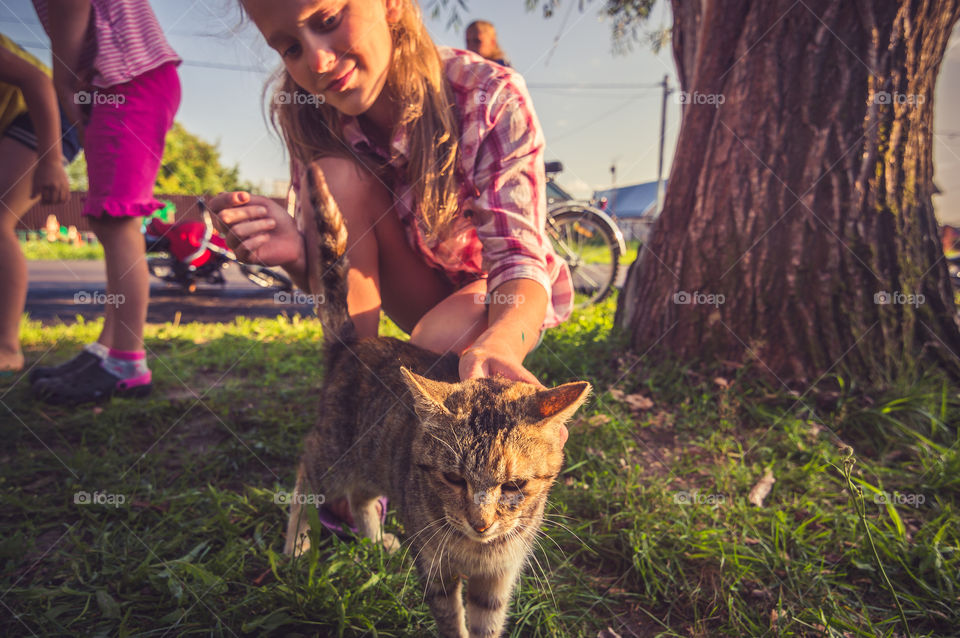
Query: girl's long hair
{"x":416,"y":82}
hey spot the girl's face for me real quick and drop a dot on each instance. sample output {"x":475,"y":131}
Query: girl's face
{"x":338,"y":48}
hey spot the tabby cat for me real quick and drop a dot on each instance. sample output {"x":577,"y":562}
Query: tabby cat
{"x":468,"y":465}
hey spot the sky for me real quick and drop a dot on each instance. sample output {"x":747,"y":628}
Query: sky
{"x":598,"y":109}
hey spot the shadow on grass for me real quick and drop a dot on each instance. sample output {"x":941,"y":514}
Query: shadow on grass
{"x":649,"y":530}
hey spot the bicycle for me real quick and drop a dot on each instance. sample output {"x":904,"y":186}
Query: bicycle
{"x":586,"y":238}
{"x":189,"y":252}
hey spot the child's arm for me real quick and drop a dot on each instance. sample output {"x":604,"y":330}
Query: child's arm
{"x":69,"y":23}
{"x":517,"y":310}
{"x":509,"y":213}
{"x":49,"y":178}
{"x":259,"y":231}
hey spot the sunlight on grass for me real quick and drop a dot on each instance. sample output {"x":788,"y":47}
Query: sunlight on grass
{"x":649,"y":530}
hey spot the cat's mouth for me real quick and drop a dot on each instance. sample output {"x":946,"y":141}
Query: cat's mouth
{"x":495,"y":533}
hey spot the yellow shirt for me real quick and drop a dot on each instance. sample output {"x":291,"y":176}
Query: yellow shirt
{"x":11,"y":98}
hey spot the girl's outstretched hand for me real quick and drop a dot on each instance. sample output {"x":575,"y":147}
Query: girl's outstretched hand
{"x":489,"y":357}
{"x":258,"y":230}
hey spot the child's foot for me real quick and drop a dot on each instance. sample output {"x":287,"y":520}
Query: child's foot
{"x":10,"y":363}
{"x":92,"y":353}
{"x":122,"y":374}
{"x":93,"y":384}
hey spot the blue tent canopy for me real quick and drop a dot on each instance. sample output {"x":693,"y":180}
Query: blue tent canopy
{"x":634,"y":201}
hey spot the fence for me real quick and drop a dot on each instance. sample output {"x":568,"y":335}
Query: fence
{"x":68,"y":213}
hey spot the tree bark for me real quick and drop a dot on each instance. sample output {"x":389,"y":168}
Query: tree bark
{"x":798,"y":219}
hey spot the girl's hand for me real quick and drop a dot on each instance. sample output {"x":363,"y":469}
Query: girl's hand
{"x":489,"y":356}
{"x":258,"y":230}
{"x":50,"y":180}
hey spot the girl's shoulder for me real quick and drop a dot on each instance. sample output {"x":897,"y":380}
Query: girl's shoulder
{"x":468,"y":72}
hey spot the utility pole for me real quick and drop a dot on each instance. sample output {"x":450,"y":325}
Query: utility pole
{"x":663,"y":131}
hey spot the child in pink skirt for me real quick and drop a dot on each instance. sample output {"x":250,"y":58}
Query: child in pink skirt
{"x":116,"y":78}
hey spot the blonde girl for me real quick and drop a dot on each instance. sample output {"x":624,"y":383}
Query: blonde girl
{"x":435,"y":157}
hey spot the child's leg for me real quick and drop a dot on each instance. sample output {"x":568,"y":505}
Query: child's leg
{"x":16,"y":181}
{"x":384,"y":270}
{"x":128,"y":286}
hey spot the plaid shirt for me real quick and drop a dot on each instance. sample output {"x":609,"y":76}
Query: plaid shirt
{"x":498,"y":232}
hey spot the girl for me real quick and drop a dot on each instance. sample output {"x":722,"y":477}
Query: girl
{"x":116,"y":78}
{"x":435,"y":158}
{"x":32,"y":157}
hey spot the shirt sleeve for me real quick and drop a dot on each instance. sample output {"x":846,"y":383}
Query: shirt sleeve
{"x":509,"y":208}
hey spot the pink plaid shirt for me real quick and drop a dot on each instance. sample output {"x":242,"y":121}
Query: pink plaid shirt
{"x":499,"y":230}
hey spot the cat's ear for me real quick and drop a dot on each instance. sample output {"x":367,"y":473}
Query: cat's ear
{"x":428,"y":394}
{"x":558,"y":404}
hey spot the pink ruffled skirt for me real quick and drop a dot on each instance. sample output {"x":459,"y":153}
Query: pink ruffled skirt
{"x":124,"y":142}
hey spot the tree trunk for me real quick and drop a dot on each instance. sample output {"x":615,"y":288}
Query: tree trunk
{"x":798,"y":229}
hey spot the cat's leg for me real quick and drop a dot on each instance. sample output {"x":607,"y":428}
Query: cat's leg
{"x":442,"y":592}
{"x":366,"y":515}
{"x":488,"y":600}
{"x":297,"y":541}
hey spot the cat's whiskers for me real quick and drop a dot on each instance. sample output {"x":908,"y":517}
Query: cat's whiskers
{"x":436,"y":560}
{"x":532,"y":555}
{"x":443,"y":527}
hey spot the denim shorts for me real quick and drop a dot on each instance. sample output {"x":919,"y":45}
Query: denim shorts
{"x":21,"y":129}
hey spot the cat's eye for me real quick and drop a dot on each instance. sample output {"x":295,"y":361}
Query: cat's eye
{"x":454,"y":479}
{"x":513,"y":486}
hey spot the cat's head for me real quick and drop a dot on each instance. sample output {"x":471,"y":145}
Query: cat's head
{"x":491,"y":448}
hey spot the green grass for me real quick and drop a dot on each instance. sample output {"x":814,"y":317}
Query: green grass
{"x":39,"y":249}
{"x":649,"y":531}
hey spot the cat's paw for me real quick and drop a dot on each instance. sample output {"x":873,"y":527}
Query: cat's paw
{"x":299,"y":547}
{"x":390,"y":543}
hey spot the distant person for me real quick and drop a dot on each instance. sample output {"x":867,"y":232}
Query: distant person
{"x":482,"y":40}
{"x":116,"y":77}
{"x":35,"y":144}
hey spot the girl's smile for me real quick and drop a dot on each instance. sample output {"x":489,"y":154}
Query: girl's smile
{"x":340,"y":48}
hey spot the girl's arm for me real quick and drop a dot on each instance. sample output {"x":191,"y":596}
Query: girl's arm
{"x":49,"y":178}
{"x":69,"y":23}
{"x":517,"y":310}
{"x":509,"y":213}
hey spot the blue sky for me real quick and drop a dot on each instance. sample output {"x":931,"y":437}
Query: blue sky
{"x":588,"y":129}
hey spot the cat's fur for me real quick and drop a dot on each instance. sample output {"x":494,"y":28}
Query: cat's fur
{"x":467,"y":465}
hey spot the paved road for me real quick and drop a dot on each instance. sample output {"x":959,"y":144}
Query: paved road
{"x":61,"y":290}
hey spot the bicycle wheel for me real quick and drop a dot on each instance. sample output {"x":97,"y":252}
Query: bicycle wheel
{"x":263,"y":276}
{"x":589,"y":245}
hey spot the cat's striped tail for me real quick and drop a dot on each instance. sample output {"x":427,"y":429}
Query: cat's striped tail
{"x":330,"y":268}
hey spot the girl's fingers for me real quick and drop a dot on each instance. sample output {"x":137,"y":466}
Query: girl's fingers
{"x":251,"y":244}
{"x":244,"y":230}
{"x":231,"y":216}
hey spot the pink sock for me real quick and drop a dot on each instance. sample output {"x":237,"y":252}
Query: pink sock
{"x":129,"y":365}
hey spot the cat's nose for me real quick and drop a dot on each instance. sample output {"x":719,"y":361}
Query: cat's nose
{"x":481,"y":528}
